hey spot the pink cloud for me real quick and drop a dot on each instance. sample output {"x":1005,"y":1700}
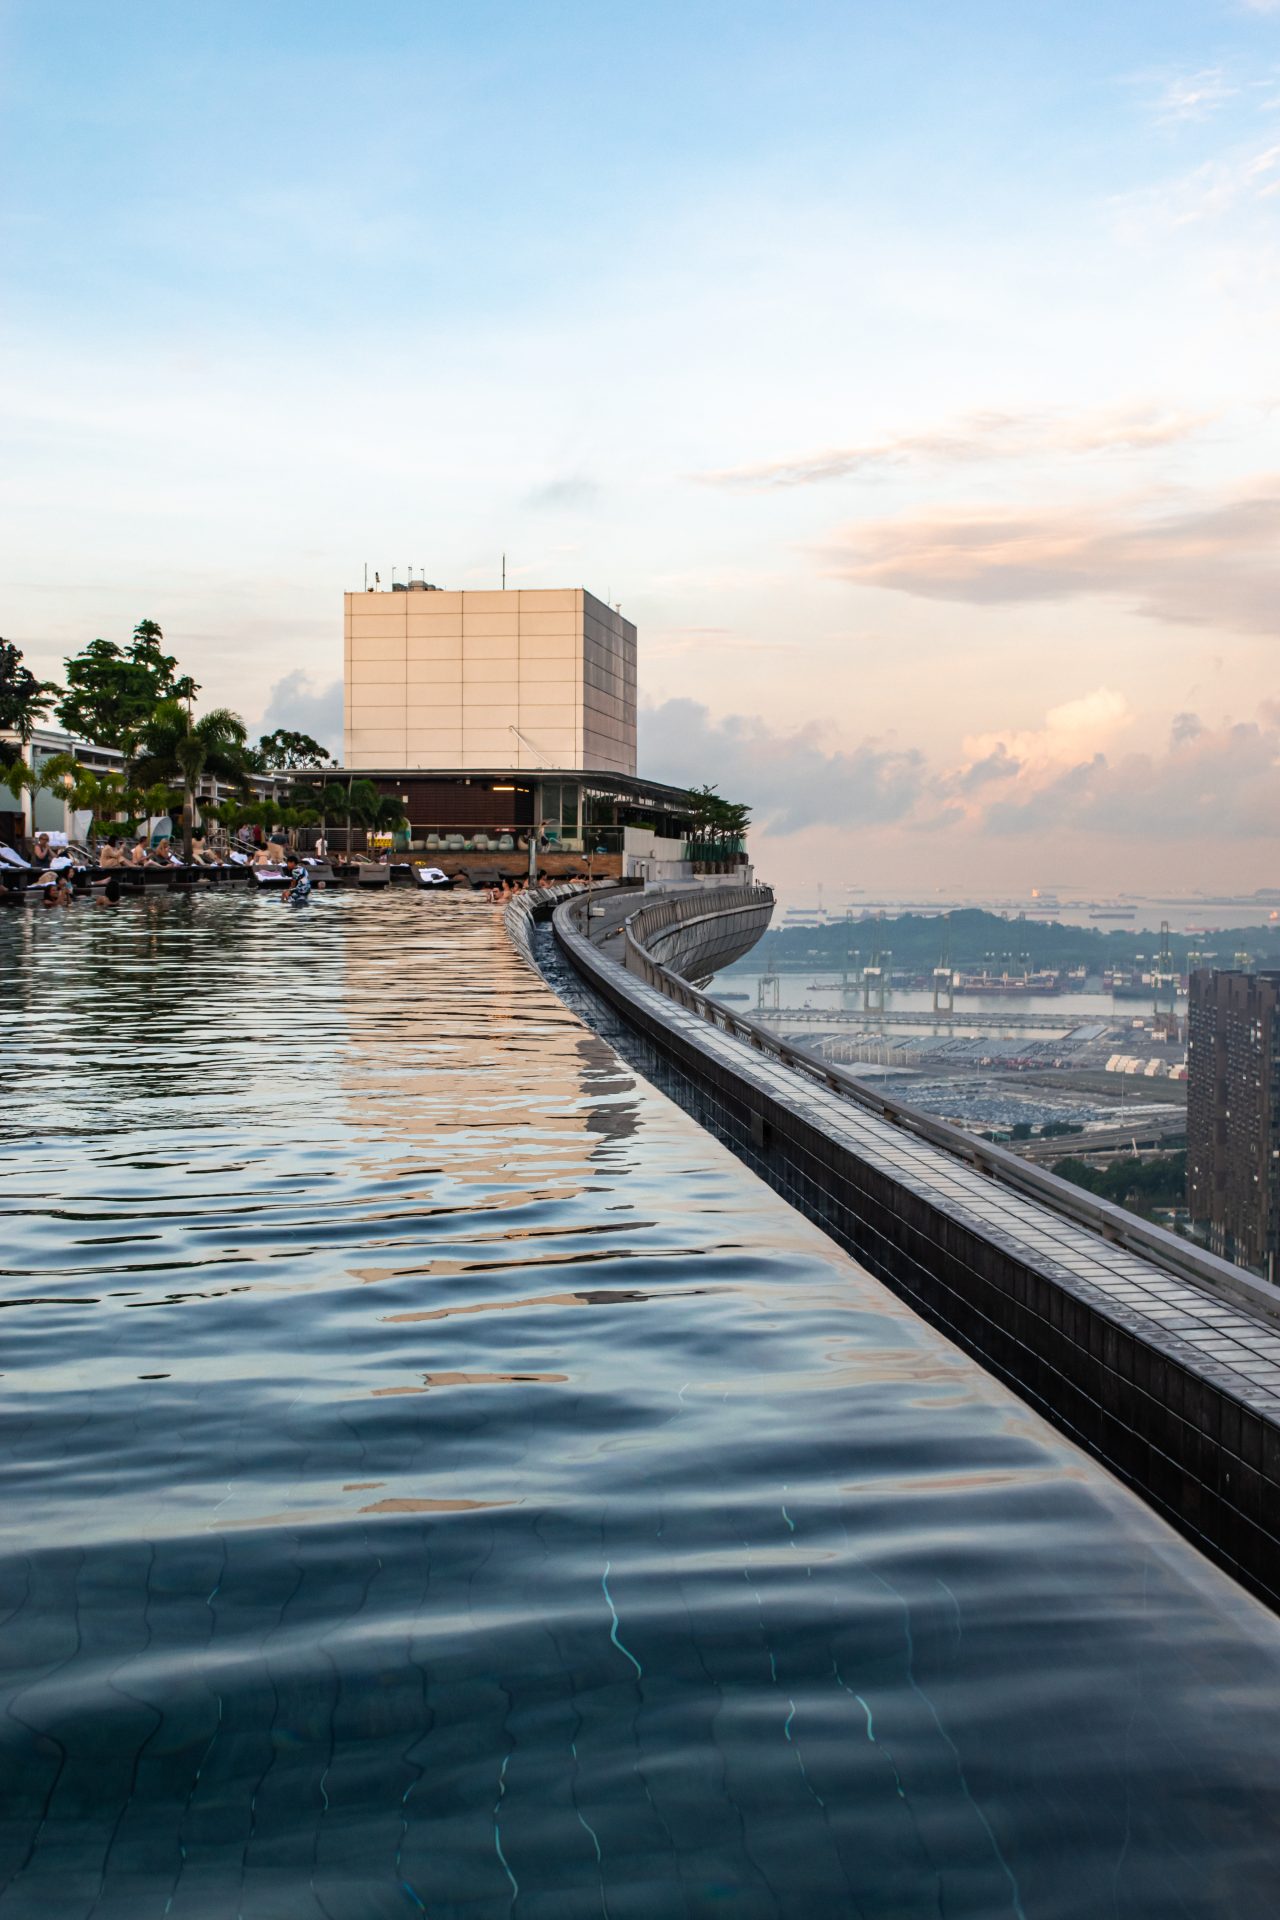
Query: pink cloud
{"x":1213,"y":564}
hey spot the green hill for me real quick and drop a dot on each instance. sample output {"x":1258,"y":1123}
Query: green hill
{"x":973,"y":939}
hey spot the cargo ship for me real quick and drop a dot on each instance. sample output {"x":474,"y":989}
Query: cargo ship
{"x":1007,"y":983}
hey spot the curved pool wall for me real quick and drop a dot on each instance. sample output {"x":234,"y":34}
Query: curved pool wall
{"x":436,"y":1477}
{"x":1163,"y":1362}
{"x":695,"y":936}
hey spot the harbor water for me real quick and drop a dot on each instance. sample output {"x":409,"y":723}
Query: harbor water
{"x":438,"y":1479}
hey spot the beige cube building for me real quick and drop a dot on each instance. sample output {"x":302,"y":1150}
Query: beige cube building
{"x":522,"y":678}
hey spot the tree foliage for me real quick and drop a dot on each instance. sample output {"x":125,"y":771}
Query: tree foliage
{"x":1139,"y":1185}
{"x":103,"y":796}
{"x":112,"y":691}
{"x":286,"y":752}
{"x":174,"y":747}
{"x":719,"y":824}
{"x":355,"y":802}
{"x":24,"y":700}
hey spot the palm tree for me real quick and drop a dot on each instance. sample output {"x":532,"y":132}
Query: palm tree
{"x":83,"y":790}
{"x":337,"y":801}
{"x":101,"y":795}
{"x":374,"y":811}
{"x":175,"y":747}
{"x":20,"y":779}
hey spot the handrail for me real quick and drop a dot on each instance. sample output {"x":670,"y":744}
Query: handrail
{"x":1122,"y":1229}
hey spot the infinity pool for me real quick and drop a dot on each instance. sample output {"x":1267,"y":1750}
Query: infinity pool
{"x":438,"y":1479}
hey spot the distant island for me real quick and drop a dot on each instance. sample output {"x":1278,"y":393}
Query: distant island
{"x":971,"y":938}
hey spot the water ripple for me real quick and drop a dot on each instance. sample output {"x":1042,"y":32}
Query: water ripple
{"x":504,"y":1503}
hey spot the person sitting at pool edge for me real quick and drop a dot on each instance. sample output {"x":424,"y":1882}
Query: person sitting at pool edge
{"x":112,"y":854}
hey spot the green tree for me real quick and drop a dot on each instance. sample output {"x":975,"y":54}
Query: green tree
{"x":286,"y":752}
{"x":718,"y":824}
{"x":24,"y":700}
{"x":19,"y":778}
{"x":334,"y":802}
{"x":103,"y":796}
{"x":361,"y":803}
{"x":112,"y":692}
{"x":174,"y":747}
{"x":1138,"y":1185}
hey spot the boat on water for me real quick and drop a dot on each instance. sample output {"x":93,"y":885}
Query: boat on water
{"x":1005,"y":983}
{"x":1113,"y":913}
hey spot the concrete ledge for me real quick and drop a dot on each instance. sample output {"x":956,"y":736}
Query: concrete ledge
{"x":1170,"y":1374}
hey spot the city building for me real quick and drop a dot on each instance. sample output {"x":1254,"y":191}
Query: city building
{"x":1233,"y":1115}
{"x":512,"y":680}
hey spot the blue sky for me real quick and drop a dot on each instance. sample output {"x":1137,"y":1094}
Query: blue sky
{"x":908,"y":373}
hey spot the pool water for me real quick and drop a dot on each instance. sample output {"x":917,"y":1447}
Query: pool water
{"x":437,"y":1478}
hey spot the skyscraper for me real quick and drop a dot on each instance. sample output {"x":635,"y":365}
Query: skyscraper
{"x":1233,"y":1115}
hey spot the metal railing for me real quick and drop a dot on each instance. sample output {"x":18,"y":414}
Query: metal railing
{"x":1112,"y":1223}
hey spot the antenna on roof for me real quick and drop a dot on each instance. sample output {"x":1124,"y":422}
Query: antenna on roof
{"x":504,"y":573}
{"x":366,"y":576}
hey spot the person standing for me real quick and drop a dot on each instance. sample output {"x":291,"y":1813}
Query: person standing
{"x":298,"y":884}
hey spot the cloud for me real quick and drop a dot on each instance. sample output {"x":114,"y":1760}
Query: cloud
{"x":1194,"y":96}
{"x":1073,"y":731}
{"x":998,"y":764}
{"x":1240,"y":181}
{"x":294,"y":703}
{"x":1218,"y":783}
{"x":1071,"y":775}
{"x":1214,"y":564}
{"x":982,"y":436}
{"x":792,"y":780}
{"x":566,"y":490}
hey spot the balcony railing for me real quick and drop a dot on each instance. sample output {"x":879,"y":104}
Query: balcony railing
{"x":459,"y":838}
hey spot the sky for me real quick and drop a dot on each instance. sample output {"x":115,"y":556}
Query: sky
{"x":911,"y":375}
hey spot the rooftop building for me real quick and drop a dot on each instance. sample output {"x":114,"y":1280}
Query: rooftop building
{"x":518,"y":679}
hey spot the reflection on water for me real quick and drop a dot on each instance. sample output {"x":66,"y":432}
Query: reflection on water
{"x":365,"y":1555}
